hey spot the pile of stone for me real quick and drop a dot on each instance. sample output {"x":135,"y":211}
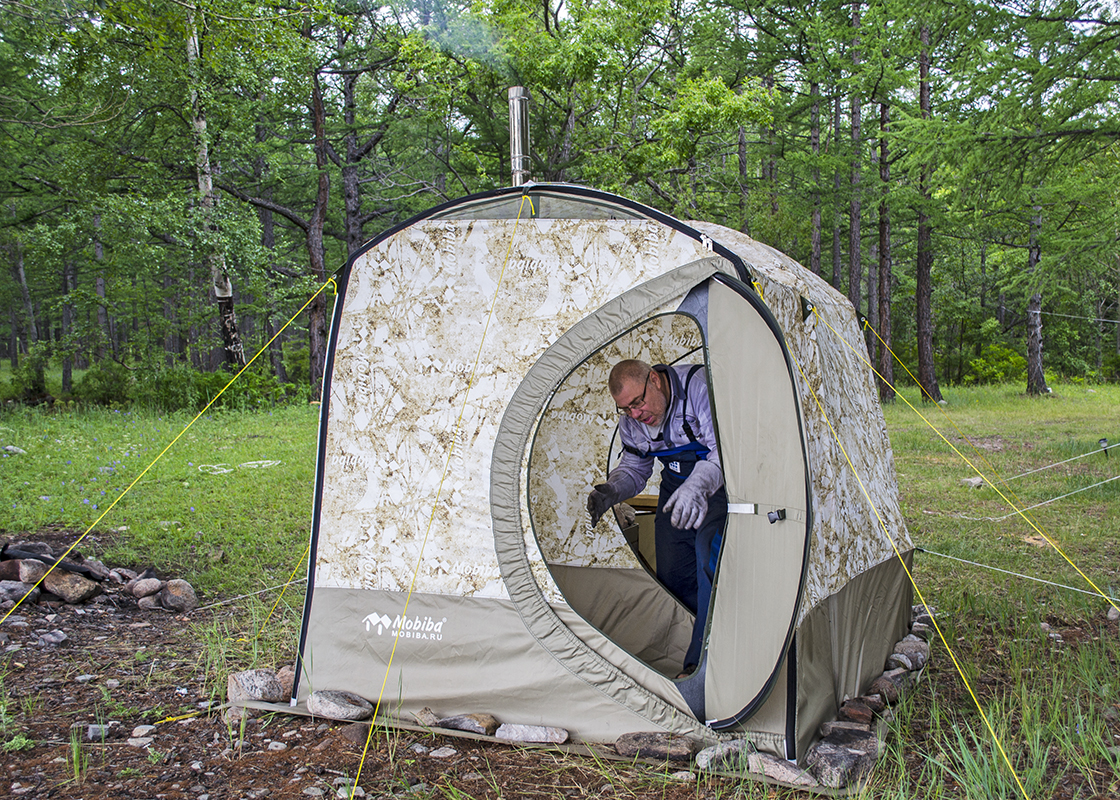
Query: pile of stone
{"x":32,"y":573}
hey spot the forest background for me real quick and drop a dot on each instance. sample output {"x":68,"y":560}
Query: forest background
{"x":180,"y":176}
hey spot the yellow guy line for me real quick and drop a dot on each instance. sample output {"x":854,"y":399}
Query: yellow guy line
{"x":446,"y":467}
{"x":136,"y":480}
{"x":284,"y":588}
{"x":1014,"y":507}
{"x":901,"y":560}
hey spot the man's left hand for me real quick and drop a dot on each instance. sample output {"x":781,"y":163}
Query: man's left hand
{"x":689,"y":506}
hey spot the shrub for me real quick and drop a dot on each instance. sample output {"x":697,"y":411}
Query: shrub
{"x":996,"y":364}
{"x":105,"y":383}
{"x":29,"y":379}
{"x":297,"y":363}
{"x":180,"y":387}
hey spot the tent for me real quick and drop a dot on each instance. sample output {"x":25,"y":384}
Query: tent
{"x":465,"y":417}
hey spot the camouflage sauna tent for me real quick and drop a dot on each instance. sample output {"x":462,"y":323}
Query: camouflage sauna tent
{"x":466,"y":417}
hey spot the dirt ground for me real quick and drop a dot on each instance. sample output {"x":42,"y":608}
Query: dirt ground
{"x":68,"y":711}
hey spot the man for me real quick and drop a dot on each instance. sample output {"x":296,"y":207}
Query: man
{"x":664,"y":413}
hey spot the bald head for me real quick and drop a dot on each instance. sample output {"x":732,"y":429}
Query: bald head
{"x":631,"y":370}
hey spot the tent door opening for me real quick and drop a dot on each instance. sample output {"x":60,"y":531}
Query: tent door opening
{"x":607,"y":574}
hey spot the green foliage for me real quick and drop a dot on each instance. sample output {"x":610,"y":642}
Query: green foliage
{"x":183,"y":388}
{"x":997,"y":364}
{"x":29,"y":378}
{"x":105,"y":383}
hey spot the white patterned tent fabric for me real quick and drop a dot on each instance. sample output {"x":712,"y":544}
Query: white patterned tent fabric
{"x":465,"y":418}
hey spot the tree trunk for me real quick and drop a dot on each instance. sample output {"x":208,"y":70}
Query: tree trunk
{"x":67,"y":328}
{"x":317,"y":311}
{"x":1036,"y":378}
{"x":815,"y":145}
{"x":351,"y":191}
{"x":268,"y":242}
{"x":219,"y":278}
{"x":923,"y":291}
{"x":770,"y":168}
{"x":743,"y":173}
{"x":855,"y":268}
{"x":837,"y":254}
{"x":886,"y":358}
{"x":29,"y":324}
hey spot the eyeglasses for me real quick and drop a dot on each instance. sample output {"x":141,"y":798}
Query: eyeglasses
{"x":641,"y":401}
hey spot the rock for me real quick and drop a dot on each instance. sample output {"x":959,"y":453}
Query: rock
{"x":121,"y":576}
{"x":1113,"y":613}
{"x":178,"y":595}
{"x":419,"y":749}
{"x":52,"y":639}
{"x":922,"y":614}
{"x":70,"y":586}
{"x":287,"y":677}
{"x":143,"y":587}
{"x":730,"y":756}
{"x":97,"y":570}
{"x":837,"y":725}
{"x":900,"y":661}
{"x":922,"y":631}
{"x":142,"y":741}
{"x":277,"y":746}
{"x":38,"y":548}
{"x":916,"y":652}
{"x":780,"y":770}
{"x":143,"y":730}
{"x":334,"y":704}
{"x":13,"y":450}
{"x":427,"y":718}
{"x":531,"y":733}
{"x":254,"y":684}
{"x":485,"y":724}
{"x":97,"y":733}
{"x":685,"y":776}
{"x":444,"y":752}
{"x":855,"y":711}
{"x":874,"y":702}
{"x":654,"y":745}
{"x":149,"y":603}
{"x":356,"y":732}
{"x":17,"y":590}
{"x":974,"y":482}
{"x":234,"y":716}
{"x":30,"y":570}
{"x":843,"y":757}
{"x":9,"y":570}
{"x":891,"y":685}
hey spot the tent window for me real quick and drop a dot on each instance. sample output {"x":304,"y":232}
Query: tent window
{"x":605,"y":572}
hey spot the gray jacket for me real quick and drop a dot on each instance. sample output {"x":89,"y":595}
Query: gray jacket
{"x":633,"y":471}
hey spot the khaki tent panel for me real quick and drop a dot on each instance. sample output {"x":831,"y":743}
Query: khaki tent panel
{"x":481,"y":659}
{"x":763,"y":463}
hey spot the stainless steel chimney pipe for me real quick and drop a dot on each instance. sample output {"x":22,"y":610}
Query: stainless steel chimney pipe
{"x":519,"y":135}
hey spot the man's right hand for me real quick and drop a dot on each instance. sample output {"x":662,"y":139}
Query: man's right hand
{"x":602,"y":497}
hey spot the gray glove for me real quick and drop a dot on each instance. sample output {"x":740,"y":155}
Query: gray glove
{"x":689,"y":504}
{"x":602,"y":497}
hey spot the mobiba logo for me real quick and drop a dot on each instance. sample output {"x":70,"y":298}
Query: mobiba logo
{"x":405,"y":627}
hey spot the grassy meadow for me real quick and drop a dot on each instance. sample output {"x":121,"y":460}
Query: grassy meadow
{"x":228,"y":506}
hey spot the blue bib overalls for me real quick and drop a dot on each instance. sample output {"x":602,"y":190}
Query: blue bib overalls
{"x":686,"y":558}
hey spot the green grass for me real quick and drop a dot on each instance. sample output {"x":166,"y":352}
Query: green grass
{"x":1053,"y":704}
{"x":201,"y":510}
{"x":1049,"y":701}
